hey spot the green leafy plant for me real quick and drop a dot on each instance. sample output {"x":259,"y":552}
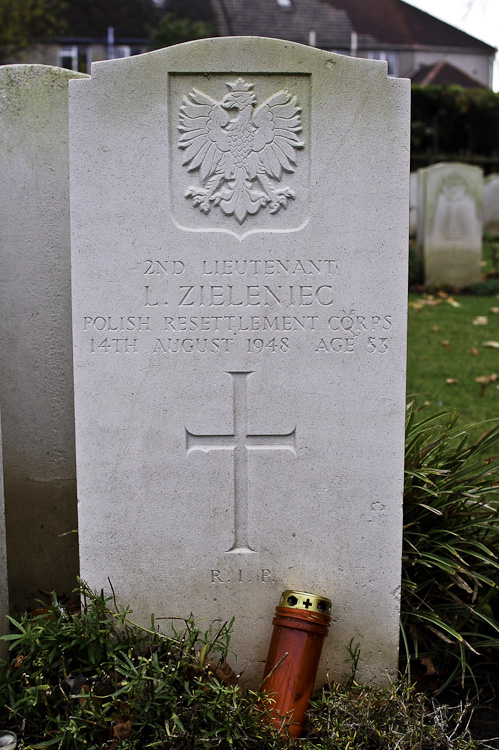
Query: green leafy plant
{"x":451,"y":534}
{"x":97,"y":680}
{"x":456,"y":122}
{"x":174,"y":30}
{"x":27,"y":22}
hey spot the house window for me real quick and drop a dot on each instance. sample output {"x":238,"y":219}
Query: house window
{"x":390,"y":57}
{"x":74,"y":57}
{"x":68,"y":57}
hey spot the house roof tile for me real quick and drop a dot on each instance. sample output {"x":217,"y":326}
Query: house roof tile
{"x":443,"y":73}
{"x":269,"y":19}
{"x":397,"y":22}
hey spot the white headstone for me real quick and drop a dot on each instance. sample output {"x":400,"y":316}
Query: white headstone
{"x":36,"y":391}
{"x":491,"y":204}
{"x":4,"y":589}
{"x":239,"y":239}
{"x":413,"y":204}
{"x":450,"y":236}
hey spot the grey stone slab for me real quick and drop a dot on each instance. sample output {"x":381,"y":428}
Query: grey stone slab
{"x":36,"y":391}
{"x":491,"y":204}
{"x":4,"y":588}
{"x":451,"y":236}
{"x":239,"y":240}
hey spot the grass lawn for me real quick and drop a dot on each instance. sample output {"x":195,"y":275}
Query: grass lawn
{"x":450,"y":345}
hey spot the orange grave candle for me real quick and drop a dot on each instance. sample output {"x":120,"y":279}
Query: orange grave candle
{"x":300,"y":625}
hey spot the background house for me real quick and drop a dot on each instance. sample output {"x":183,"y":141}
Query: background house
{"x":108,"y":29}
{"x":413,"y":43}
{"x":392,"y":30}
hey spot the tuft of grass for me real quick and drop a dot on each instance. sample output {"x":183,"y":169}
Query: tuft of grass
{"x":450,"y":606}
{"x":365,"y":718}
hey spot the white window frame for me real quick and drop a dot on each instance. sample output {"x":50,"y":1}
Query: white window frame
{"x":121,"y":50}
{"x":68,"y":51}
{"x":391,"y":58}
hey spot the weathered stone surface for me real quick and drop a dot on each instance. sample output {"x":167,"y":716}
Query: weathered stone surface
{"x":4,"y":589}
{"x":36,"y":391}
{"x":450,"y":229}
{"x":239,"y":239}
{"x":491,"y":204}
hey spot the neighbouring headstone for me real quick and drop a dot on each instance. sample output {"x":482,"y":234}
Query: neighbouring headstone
{"x":36,"y":391}
{"x":413,"y":204}
{"x":4,"y":588}
{"x":450,"y":229}
{"x":491,"y":204}
{"x":239,"y":238}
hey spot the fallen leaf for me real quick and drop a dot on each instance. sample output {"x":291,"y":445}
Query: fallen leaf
{"x":491,"y":344}
{"x":434,"y":329}
{"x":485,"y":380}
{"x":494,"y":310}
{"x":453,"y":302}
{"x":474,"y":351}
{"x":442,"y":295}
{"x":451,"y":381}
{"x":480,"y":320}
{"x":122,"y":728}
{"x":447,"y":345}
{"x":430,"y":666}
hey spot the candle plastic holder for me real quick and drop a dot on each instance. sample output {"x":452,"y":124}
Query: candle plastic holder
{"x":300,"y":625}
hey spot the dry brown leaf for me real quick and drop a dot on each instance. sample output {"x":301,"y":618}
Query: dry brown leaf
{"x":485,"y":380}
{"x":480,"y":320}
{"x":435,"y":329}
{"x":447,"y":345}
{"x":491,"y":344}
{"x":494,"y":310}
{"x":123,"y":724}
{"x":474,"y":351}
{"x":427,"y":662}
{"x":453,"y":302}
{"x":451,"y":381}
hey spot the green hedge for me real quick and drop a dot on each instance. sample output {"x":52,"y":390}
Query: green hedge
{"x":456,"y":122}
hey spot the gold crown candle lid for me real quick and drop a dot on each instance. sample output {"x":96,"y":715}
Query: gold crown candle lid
{"x":305,"y":601}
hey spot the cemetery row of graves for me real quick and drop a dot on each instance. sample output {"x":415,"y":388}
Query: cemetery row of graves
{"x":204,"y":330}
{"x":452,"y":207}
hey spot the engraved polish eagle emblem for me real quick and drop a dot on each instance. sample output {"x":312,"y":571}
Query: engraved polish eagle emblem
{"x":240,"y":149}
